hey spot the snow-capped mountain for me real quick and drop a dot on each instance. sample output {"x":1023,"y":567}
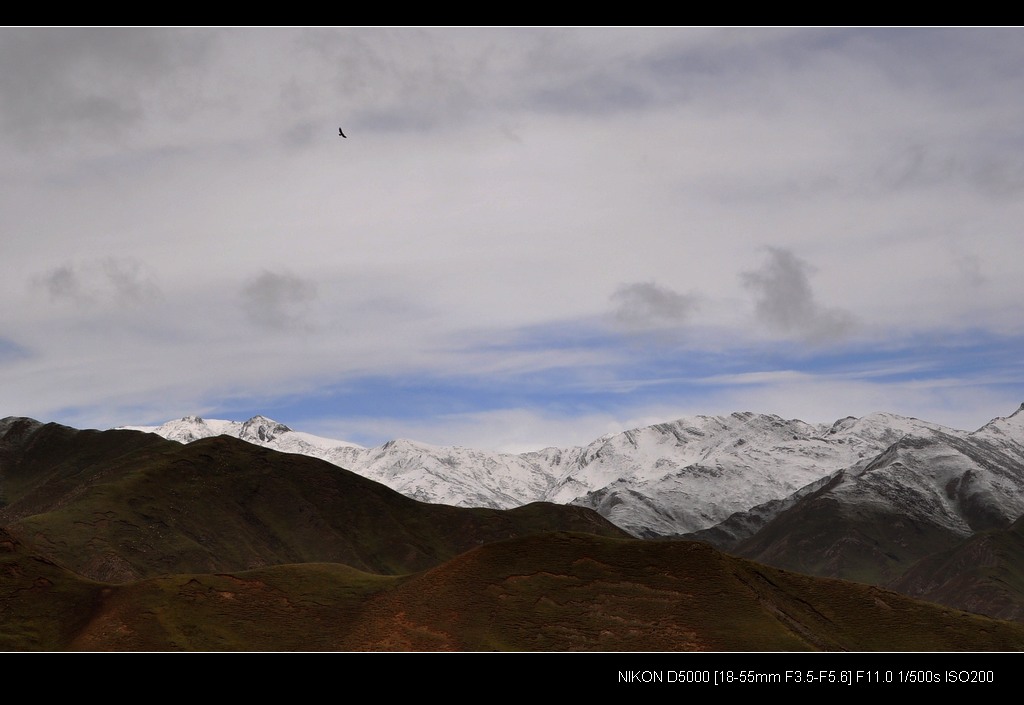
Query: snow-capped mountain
{"x":439,"y":475}
{"x":693,"y":473}
{"x":925,"y":493}
{"x":663,"y":480}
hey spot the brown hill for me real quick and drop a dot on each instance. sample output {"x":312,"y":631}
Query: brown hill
{"x":552,"y":592}
{"x":582,"y":592}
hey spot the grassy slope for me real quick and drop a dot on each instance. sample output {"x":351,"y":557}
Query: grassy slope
{"x":552,"y":592}
{"x":42,"y":606}
{"x":578,"y":592}
{"x":302,"y":607}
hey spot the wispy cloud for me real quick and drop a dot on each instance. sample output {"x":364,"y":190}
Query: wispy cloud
{"x":644,"y":305}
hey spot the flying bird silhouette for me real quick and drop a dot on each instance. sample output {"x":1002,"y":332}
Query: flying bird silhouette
{"x":341,"y":134}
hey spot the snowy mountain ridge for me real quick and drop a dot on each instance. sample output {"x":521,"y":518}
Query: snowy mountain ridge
{"x":662,"y":480}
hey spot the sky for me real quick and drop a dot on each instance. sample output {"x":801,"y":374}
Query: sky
{"x":529,"y":237}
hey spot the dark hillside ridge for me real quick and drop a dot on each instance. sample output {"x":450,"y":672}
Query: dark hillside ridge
{"x":118,"y":506}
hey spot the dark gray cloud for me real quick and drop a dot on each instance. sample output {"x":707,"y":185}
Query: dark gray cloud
{"x":277,"y":301}
{"x":62,"y":284}
{"x":113,"y":279}
{"x":644,"y":305}
{"x":786,"y":304}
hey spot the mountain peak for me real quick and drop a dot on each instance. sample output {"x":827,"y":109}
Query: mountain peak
{"x":1011,"y":426}
{"x":262,"y":428}
{"x":260,"y":418}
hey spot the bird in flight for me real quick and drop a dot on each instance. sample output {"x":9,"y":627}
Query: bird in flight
{"x":341,"y":134}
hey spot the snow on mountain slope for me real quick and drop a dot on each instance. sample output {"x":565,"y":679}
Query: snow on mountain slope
{"x":662,"y":480}
{"x":695,"y":472}
{"x":190,"y":428}
{"x":1005,"y":432}
{"x":258,"y":430}
{"x":440,"y":475}
{"x":455,"y":475}
{"x":871,"y":522}
{"x":948,"y":481}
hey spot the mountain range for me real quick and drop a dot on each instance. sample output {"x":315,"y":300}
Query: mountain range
{"x":744,"y":532}
{"x":663,"y":480}
{"x":862,"y":499}
{"x":121,"y":540}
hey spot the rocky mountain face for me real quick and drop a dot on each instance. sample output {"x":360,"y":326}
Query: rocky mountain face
{"x":691,"y":474}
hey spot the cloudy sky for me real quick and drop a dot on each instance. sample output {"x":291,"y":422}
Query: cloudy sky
{"x":529,"y":237}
